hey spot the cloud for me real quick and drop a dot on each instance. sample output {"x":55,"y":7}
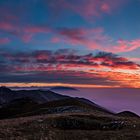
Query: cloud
{"x":68,"y":66}
{"x":24,"y":32}
{"x":45,"y":60}
{"x":126,"y":46}
{"x":6,"y":26}
{"x":115,"y":61}
{"x":91,"y":38}
{"x":36,"y":29}
{"x":56,"y":40}
{"x":50,"y":77}
{"x":95,"y":38}
{"x":88,"y":9}
{"x":4,"y":40}
{"x":86,"y":37}
{"x":135,"y":59}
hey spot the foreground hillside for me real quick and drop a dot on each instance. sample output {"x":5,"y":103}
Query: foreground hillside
{"x":70,"y":126}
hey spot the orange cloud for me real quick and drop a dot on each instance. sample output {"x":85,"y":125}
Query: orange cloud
{"x":131,"y":80}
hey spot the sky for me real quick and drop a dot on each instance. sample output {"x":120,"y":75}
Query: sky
{"x":79,"y":43}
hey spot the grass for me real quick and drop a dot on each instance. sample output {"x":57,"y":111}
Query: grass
{"x":69,"y":126}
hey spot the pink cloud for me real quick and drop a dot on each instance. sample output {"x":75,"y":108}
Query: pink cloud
{"x":90,"y":38}
{"x":86,"y":8}
{"x":73,"y":61}
{"x":4,"y":41}
{"x":135,"y":59}
{"x":26,"y":37}
{"x":36,"y":29}
{"x":6,"y":26}
{"x":55,"y":40}
{"x":29,"y":31}
{"x":106,"y":44}
{"x":125,"y":45}
{"x":25,"y":33}
{"x":93,"y":38}
{"x":96,"y":39}
{"x":105,"y":8}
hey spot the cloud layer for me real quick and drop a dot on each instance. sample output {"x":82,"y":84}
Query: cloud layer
{"x":66,"y":65}
{"x":88,"y":9}
{"x":91,"y":39}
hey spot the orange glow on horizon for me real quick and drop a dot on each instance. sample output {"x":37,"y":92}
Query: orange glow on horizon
{"x":28,"y":85}
{"x":55,"y":84}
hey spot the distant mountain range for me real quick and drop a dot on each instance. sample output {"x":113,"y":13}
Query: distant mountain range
{"x":62,"y":88}
{"x":40,"y":96}
{"x":38,"y":102}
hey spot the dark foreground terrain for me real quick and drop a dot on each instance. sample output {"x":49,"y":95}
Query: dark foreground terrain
{"x":44,"y":115}
{"x":70,"y":126}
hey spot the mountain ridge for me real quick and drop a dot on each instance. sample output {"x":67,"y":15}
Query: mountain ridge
{"x":37,"y":102}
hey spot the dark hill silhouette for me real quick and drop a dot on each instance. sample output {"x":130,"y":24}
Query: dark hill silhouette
{"x":40,"y":96}
{"x":127,"y":114}
{"x":62,"y":88}
{"x":17,"y":106}
{"x":28,"y":107}
{"x":36,"y":102}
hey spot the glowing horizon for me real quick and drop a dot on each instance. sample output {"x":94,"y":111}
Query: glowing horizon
{"x":39,"y":85}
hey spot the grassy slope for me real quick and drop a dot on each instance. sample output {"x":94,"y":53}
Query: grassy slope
{"x":70,"y":126}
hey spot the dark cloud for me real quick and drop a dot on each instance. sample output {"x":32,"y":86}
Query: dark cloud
{"x":70,"y":77}
{"x":65,"y":59}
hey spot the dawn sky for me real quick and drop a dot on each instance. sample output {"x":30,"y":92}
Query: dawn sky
{"x":80,"y":43}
